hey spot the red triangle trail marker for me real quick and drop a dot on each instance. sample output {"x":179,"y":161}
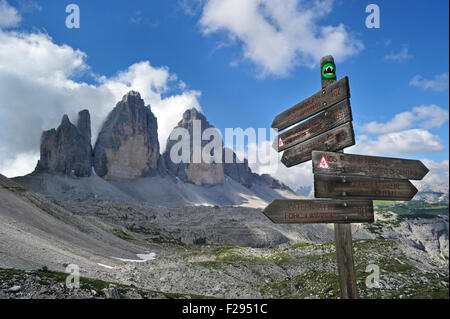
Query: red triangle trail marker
{"x":323,"y":163}
{"x":280,"y":142}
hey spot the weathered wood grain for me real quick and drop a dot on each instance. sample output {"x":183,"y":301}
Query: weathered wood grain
{"x":318,"y":102}
{"x":307,"y":211}
{"x":334,"y":116}
{"x":333,"y":140}
{"x":345,"y":261}
{"x":369,"y":166}
{"x":357,"y":187}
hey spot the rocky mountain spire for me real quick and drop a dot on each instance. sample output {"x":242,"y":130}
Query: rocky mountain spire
{"x":84,"y":124}
{"x":194,"y":170}
{"x":127,"y":146}
{"x":209,"y":173}
{"x":68,"y":149}
{"x":238,"y":170}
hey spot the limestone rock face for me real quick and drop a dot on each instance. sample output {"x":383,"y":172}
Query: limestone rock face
{"x":127,"y":146}
{"x":238,"y":170}
{"x":271,"y":182}
{"x":68,"y":149}
{"x":84,"y":124}
{"x":195,"y":169}
{"x":203,"y":173}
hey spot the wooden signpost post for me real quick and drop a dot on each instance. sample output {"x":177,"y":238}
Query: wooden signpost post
{"x":349,"y":181}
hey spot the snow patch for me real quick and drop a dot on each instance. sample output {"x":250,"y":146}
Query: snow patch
{"x":106,"y":266}
{"x":143,"y":258}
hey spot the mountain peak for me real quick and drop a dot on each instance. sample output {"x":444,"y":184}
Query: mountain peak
{"x":192,"y":114}
{"x":67,"y":149}
{"x":131,"y":95}
{"x":65,"y":121}
{"x":84,"y":124}
{"x":127,"y":146}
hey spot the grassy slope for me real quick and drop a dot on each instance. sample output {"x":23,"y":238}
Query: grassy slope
{"x":413,"y":209}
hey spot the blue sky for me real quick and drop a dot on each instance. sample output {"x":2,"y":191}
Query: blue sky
{"x":400,"y":68}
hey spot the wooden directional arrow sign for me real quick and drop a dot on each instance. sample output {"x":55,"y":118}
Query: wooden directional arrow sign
{"x":325,"y":121}
{"x":299,"y":211}
{"x":333,"y":140}
{"x":329,"y":163}
{"x":320,"y":101}
{"x":327,"y":186}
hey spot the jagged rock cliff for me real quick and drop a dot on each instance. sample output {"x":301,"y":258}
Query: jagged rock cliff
{"x":68,"y":149}
{"x":194,"y":170}
{"x":209,"y":173}
{"x":127,"y":146}
{"x":84,"y":124}
{"x":238,"y":170}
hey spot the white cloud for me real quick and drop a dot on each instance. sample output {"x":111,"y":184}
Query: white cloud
{"x":16,"y":165}
{"x":401,"y":56}
{"x":140,"y":18}
{"x":426,"y":116}
{"x":39,"y":85}
{"x":431,"y":115}
{"x":268,"y":161}
{"x":278,"y":35}
{"x":191,"y":7}
{"x":29,"y":6}
{"x":405,"y":143}
{"x":137,"y":17}
{"x":438,"y":174}
{"x":9,"y":16}
{"x":408,"y":142}
{"x":152,"y":82}
{"x":439,"y":83}
{"x":401,"y":121}
{"x":294,"y":177}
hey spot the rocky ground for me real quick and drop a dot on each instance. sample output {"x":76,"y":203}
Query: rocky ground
{"x":216,"y":252}
{"x":45,"y":284}
{"x":303,"y":270}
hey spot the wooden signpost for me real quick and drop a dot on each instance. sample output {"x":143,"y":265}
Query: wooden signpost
{"x":320,"y":101}
{"x":331,"y":118}
{"x":339,"y":164}
{"x":338,"y":175}
{"x":298,"y":211}
{"x":333,"y":140}
{"x":351,"y":181}
{"x":362,"y":188}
